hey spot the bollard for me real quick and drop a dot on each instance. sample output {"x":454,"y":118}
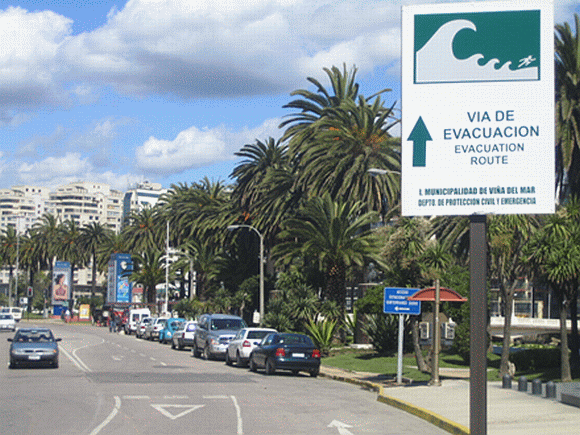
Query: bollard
{"x":550,"y":390}
{"x":506,"y":381}
{"x":523,"y":384}
{"x":537,"y":387}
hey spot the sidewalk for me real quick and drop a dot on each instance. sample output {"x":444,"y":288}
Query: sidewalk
{"x":508,"y":411}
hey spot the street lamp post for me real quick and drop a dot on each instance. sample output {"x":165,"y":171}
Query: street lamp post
{"x":234,"y":227}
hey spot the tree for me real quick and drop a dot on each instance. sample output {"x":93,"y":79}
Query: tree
{"x":508,"y":234}
{"x":149,"y":270}
{"x":567,"y":50}
{"x":553,"y":253}
{"x":68,"y":246}
{"x":91,"y":238}
{"x":335,"y":233}
{"x":8,"y":251}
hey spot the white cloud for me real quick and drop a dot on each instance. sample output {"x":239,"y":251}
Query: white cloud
{"x":195,"y":148}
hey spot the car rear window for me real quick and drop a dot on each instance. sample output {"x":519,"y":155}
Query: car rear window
{"x":233,"y":324}
{"x":191,"y":327}
{"x":295,"y":339}
{"x":258,"y":334}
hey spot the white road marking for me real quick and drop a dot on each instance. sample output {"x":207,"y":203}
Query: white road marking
{"x":109,"y":418}
{"x":342,"y":427}
{"x":136,"y":397}
{"x":238,"y":415}
{"x":76,"y":361}
{"x":166,"y":413}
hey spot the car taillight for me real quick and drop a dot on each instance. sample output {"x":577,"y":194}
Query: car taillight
{"x":246,"y":343}
{"x":280,"y":352}
{"x":316,"y":353}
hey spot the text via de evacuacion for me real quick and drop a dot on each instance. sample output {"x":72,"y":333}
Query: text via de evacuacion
{"x":501,"y":140}
{"x":475,"y":196}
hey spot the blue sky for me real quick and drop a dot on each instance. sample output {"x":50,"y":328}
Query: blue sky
{"x":168,"y":90}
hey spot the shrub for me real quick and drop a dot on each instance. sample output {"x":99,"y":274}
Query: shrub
{"x":382,"y":331}
{"x":322,"y":334}
{"x":533,"y":360}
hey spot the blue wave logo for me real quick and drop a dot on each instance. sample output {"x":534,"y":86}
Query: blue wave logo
{"x":477,"y":47}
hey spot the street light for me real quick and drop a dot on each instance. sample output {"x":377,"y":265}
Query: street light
{"x":234,"y":227}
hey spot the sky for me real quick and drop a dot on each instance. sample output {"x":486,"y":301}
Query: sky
{"x":167,"y":91}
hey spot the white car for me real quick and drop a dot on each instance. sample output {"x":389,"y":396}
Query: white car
{"x":184,"y":335}
{"x":15,"y":311}
{"x":7,"y":322}
{"x":140,"y":331}
{"x":241,"y":346}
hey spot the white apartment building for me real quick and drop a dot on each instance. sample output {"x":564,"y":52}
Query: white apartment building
{"x":143,"y":195}
{"x":86,"y":202}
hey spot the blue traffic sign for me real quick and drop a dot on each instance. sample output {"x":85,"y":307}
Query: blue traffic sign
{"x":396,"y":301}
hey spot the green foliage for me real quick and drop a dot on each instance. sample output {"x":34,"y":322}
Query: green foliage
{"x":277,"y":320}
{"x":372,"y":302}
{"x":189,"y":308}
{"x":382,"y":332}
{"x":322,"y":333}
{"x":535,"y":360}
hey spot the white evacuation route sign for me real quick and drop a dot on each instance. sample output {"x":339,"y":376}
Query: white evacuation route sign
{"x":478,"y":108}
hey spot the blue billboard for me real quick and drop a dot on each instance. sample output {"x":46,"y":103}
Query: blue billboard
{"x":119,"y":287}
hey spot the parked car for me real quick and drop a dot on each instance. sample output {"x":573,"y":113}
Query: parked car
{"x":7,"y":322}
{"x":244,"y":342}
{"x":172,"y":325}
{"x":148,"y":328}
{"x":184,"y":335}
{"x":213,"y":334}
{"x":154,"y":328}
{"x":134,"y":316}
{"x":294,"y":352}
{"x":15,"y":311}
{"x":33,"y":346}
{"x":140,"y":331}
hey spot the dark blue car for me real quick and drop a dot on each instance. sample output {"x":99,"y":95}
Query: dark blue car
{"x":281,"y":351}
{"x":33,"y":346}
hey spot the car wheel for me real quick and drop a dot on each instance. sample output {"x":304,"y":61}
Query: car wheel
{"x":195,"y":351}
{"x":179,"y":345}
{"x":228,"y":359}
{"x":206,"y":353}
{"x":314,"y":373}
{"x":55,"y":365}
{"x":239,"y":361}
{"x":11,"y":365}
{"x":270,"y":368}
{"x":173,"y":344}
{"x":253,"y":366}
{"x":295,"y":372}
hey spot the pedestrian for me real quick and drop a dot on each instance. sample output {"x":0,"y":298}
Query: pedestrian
{"x":112,"y":323}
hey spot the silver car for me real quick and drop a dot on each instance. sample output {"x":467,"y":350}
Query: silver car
{"x":244,"y":342}
{"x":7,"y":322}
{"x":184,"y":335}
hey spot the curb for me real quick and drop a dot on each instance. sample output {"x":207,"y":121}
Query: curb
{"x":431,"y":417}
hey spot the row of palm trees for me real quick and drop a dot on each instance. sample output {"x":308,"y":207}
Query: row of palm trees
{"x":311,"y":196}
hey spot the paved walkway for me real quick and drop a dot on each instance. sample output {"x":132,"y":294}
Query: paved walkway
{"x":447,"y":406}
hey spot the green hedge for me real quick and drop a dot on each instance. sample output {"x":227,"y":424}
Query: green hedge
{"x":530,"y":360}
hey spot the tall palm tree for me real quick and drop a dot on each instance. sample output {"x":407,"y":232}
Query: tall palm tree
{"x":46,"y":235}
{"x":69,"y":247}
{"x":507,"y":235}
{"x":92,"y":237}
{"x":336,"y":235}
{"x":8,"y":250}
{"x":143,"y":233}
{"x":553,"y":253}
{"x":567,"y":50}
{"x":149,"y":270}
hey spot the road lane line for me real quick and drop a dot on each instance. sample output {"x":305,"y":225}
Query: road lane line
{"x":109,"y":418}
{"x":239,"y":415}
{"x":77,"y":362}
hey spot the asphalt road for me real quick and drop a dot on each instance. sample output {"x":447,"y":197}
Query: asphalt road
{"x":116,"y":384}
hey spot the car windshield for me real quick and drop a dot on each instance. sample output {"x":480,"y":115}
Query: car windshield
{"x":34,"y":336}
{"x":258,"y":334}
{"x":233,"y":324}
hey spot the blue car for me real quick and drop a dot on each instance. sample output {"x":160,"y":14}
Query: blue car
{"x":171,"y":325}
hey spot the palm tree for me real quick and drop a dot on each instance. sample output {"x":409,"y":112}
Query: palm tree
{"x":46,"y":235}
{"x":143,"y":233}
{"x":68,"y":247}
{"x":567,"y":50}
{"x":8,"y":250}
{"x":92,"y":237}
{"x":508,"y":234}
{"x":554,"y":254}
{"x":149,"y":270}
{"x":336,"y":235}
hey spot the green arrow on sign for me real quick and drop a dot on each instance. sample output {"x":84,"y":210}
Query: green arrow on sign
{"x":420,"y":135}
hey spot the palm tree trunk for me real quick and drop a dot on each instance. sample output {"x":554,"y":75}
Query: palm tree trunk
{"x":574,"y":342}
{"x":421,"y":363}
{"x":508,"y":299}
{"x":565,"y":372}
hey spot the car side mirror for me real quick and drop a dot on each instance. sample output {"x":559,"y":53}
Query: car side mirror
{"x":8,"y":339}
{"x":58,"y":339}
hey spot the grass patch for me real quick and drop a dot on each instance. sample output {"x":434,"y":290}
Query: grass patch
{"x":369,"y":361}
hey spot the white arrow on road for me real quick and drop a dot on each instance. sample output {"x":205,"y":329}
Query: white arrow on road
{"x":188,"y":408}
{"x":342,"y":427}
